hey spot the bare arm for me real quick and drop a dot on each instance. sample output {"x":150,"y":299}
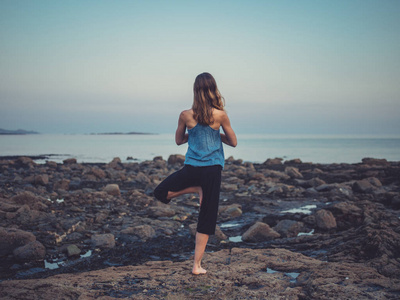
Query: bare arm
{"x":181,"y":136}
{"x":229,"y":136}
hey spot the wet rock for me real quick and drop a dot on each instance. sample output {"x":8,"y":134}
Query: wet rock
{"x":30,"y":252}
{"x":73,"y":250}
{"x":259,"y":232}
{"x":325,"y":220}
{"x":12,"y":238}
{"x":230,"y":211}
{"x":289,"y":228}
{"x":112,"y":189}
{"x":99,"y":173}
{"x":106,"y":240}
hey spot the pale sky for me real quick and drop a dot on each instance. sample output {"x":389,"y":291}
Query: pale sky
{"x":318,"y":67}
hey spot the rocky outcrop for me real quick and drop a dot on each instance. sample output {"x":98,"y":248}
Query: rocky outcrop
{"x":310,"y":228}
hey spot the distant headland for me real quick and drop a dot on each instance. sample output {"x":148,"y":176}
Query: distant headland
{"x":18,"y":131}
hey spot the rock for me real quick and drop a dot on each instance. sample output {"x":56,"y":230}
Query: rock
{"x":42,"y":179}
{"x":30,"y":252}
{"x":293,"y":172}
{"x":274,"y":161}
{"x":69,"y":161}
{"x":62,"y":184}
{"x":230,"y":211}
{"x":144,"y":232}
{"x":29,"y":199}
{"x":115,"y":164}
{"x":375,"y":161}
{"x":259,"y":232}
{"x":106,"y":240}
{"x":73,"y":250}
{"x":289,"y":228}
{"x":12,"y":238}
{"x":112,"y":189}
{"x":176,"y":159}
{"x":366,"y":185}
{"x":158,"y":211}
{"x":25,"y":160}
{"x":99,"y":173}
{"x":295,"y":161}
{"x":51,"y":164}
{"x":142,"y":178}
{"x":229,"y":187}
{"x":325,"y":220}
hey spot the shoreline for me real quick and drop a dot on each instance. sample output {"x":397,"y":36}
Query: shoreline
{"x":87,"y":217}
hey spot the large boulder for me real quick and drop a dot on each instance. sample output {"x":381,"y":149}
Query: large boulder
{"x":12,"y":238}
{"x":32,"y":251}
{"x":325,"y":220}
{"x":259,"y":232}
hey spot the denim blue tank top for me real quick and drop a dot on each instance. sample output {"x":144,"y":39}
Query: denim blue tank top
{"x":205,"y":147}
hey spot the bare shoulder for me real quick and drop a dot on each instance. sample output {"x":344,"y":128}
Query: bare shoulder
{"x":186,"y":114}
{"x":220,"y":115}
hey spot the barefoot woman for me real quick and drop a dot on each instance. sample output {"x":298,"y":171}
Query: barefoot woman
{"x":201,"y":173}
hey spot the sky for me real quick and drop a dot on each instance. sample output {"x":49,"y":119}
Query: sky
{"x":284,"y":67}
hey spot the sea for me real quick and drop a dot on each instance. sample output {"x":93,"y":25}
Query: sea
{"x":256,"y":148}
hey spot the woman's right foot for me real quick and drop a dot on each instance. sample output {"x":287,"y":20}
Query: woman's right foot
{"x":198,"y":271}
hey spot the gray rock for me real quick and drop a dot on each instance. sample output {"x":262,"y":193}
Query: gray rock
{"x":106,"y":240}
{"x":260,"y":232}
{"x":73,"y":250}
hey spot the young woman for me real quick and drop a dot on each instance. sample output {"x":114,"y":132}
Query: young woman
{"x":204,"y":161}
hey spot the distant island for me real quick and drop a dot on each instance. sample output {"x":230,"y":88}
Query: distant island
{"x":19,"y":131}
{"x":122,"y":133}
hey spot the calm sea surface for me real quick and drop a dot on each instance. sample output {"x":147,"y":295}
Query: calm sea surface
{"x":251,"y":147}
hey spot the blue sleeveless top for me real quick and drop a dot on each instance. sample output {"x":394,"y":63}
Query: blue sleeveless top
{"x":205,"y":147}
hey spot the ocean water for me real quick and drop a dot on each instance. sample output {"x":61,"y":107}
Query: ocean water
{"x":251,"y":147}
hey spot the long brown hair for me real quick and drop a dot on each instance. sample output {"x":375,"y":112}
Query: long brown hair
{"x":206,"y":97}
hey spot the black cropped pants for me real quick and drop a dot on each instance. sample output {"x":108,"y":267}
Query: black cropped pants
{"x":209,"y":179}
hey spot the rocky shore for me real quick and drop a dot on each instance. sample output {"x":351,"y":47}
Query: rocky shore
{"x":286,"y":230}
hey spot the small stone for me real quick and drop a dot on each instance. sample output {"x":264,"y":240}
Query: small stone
{"x":73,"y":250}
{"x":112,"y":189}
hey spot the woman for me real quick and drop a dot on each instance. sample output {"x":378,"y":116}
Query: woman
{"x":204,"y":161}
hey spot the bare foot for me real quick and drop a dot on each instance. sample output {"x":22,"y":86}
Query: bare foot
{"x":198,"y":271}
